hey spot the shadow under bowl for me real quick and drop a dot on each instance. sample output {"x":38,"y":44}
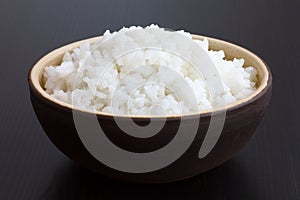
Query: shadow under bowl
{"x":242,"y":118}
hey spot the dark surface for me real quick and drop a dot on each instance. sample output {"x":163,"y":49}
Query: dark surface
{"x":32,"y":168}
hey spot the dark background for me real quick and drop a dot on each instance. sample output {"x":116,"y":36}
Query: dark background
{"x":32,"y":168}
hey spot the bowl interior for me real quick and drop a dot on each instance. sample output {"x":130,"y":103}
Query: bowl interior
{"x":231,"y":51}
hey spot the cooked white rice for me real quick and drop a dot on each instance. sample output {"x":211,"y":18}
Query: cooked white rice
{"x":144,"y":81}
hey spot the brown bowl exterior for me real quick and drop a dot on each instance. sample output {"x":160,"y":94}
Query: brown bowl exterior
{"x":240,"y":124}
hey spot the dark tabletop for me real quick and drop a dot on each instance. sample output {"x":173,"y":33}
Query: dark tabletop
{"x":32,"y":168}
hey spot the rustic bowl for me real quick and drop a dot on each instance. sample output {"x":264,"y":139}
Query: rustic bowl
{"x":242,"y":118}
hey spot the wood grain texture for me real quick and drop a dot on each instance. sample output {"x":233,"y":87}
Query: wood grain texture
{"x":31,"y":167}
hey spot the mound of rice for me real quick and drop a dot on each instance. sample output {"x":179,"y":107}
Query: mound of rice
{"x":144,"y":81}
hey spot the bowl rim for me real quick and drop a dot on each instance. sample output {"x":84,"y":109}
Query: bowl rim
{"x":35,"y":74}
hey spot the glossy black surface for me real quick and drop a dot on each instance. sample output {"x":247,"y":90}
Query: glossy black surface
{"x":32,"y":168}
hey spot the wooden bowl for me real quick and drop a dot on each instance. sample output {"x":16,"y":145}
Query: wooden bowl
{"x":242,"y":118}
